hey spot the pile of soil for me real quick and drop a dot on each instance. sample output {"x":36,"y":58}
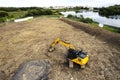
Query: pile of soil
{"x":33,"y":70}
{"x":25,"y":41}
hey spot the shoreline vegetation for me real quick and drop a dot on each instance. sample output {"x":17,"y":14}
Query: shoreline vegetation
{"x":93,"y":23}
{"x":110,"y":11}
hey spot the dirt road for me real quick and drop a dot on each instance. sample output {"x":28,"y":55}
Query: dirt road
{"x":25,"y":41}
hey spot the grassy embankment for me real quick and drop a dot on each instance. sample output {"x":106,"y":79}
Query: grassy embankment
{"x":91,"y":22}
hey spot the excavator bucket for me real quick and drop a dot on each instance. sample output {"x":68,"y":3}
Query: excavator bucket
{"x":51,"y":49}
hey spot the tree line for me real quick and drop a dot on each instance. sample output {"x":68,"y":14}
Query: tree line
{"x":31,"y":11}
{"x":9,"y":12}
{"x":109,"y":11}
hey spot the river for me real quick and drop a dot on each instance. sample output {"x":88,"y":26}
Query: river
{"x":112,"y":21}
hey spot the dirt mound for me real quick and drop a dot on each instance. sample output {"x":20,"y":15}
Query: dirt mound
{"x":33,"y":70}
{"x":109,"y":37}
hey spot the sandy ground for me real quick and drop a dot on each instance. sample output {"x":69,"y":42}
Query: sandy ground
{"x":26,"y":41}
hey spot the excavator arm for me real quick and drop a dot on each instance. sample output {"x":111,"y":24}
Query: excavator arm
{"x":58,"y":41}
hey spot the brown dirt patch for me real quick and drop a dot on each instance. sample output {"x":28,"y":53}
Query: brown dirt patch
{"x":26,"y":41}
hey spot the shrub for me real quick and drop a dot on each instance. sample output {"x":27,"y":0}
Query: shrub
{"x":3,"y":14}
{"x":32,"y":13}
{"x":70,"y":16}
{"x":39,"y":12}
{"x":86,"y":20}
{"x":47,"y":12}
{"x":77,"y":11}
{"x":81,"y":18}
{"x":2,"y":20}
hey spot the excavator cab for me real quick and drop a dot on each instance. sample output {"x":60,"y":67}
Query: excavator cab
{"x":75,"y":53}
{"x":76,"y":56}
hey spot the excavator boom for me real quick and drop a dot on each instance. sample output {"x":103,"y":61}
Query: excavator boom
{"x":58,"y":41}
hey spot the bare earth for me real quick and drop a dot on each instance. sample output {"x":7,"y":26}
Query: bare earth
{"x":26,"y":41}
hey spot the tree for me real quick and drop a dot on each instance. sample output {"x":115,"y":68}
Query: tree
{"x":70,"y":16}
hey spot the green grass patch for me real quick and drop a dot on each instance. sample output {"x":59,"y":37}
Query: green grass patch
{"x":17,"y":14}
{"x":111,"y":28}
{"x":94,"y":24}
{"x":107,"y":27}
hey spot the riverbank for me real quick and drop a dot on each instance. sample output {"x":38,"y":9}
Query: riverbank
{"x":93,"y":23}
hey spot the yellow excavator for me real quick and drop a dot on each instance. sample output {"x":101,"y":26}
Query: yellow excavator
{"x":73,"y":56}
